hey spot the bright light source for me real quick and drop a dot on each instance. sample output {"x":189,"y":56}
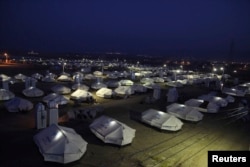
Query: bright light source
{"x":58,"y":135}
{"x":111,"y":123}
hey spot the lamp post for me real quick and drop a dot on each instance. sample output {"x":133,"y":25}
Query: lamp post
{"x":63,"y":66}
{"x":6,"y":57}
{"x":222,"y":69}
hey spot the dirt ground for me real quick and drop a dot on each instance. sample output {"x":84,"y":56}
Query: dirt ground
{"x":150,"y":148}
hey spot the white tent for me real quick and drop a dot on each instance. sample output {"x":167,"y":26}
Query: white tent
{"x":105,"y":93}
{"x":212,"y":107}
{"x":174,"y":84}
{"x":150,"y":85}
{"x":57,"y":98}
{"x":64,"y":78}
{"x":184,"y":112}
{"x":81,"y":95}
{"x":146,"y":80}
{"x":5,"y":77}
{"x":60,"y":144}
{"x":221,"y":102}
{"x":89,"y":76}
{"x":161,"y":120}
{"x":6,"y":94}
{"x":61,"y":89}
{"x":33,"y":92}
{"x":124,"y":90}
{"x":98,"y":85}
{"x":126,"y":82}
{"x":112,"y":131}
{"x":200,"y":105}
{"x":97,"y":73}
{"x":194,"y":102}
{"x":158,"y":80}
{"x":233,"y":92}
{"x":18,"y":104}
{"x":20,"y":77}
{"x":37,"y":76}
{"x":50,"y":77}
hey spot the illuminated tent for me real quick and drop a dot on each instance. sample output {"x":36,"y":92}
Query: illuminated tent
{"x":151,"y":85}
{"x":81,"y":95}
{"x":112,"y":131}
{"x":105,"y":93}
{"x":97,"y":73}
{"x":18,"y":104}
{"x":233,"y":92}
{"x":146,"y":80}
{"x":89,"y":76}
{"x":184,"y":112}
{"x":200,"y":105}
{"x":6,"y":94}
{"x":174,"y":84}
{"x":33,"y":92}
{"x":126,"y":82}
{"x":158,"y":80}
{"x":61,"y":89}
{"x":221,"y":102}
{"x":37,"y":76}
{"x":60,"y":144}
{"x":4,"y":77}
{"x":64,"y":78}
{"x":161,"y":120}
{"x":194,"y":102}
{"x":50,"y":77}
{"x":58,"y":99}
{"x":20,"y":77}
{"x":124,"y":90}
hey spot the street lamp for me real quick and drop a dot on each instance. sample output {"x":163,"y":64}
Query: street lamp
{"x":222,"y":69}
{"x":6,"y":57}
{"x":63,"y":66}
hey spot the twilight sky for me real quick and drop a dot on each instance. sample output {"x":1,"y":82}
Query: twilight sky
{"x":187,"y":27}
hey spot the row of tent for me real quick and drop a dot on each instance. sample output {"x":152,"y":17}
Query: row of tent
{"x":63,"y":145}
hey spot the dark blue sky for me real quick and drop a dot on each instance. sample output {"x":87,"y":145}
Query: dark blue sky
{"x":188,"y":27}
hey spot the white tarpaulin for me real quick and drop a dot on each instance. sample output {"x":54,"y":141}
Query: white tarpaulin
{"x":161,"y":120}
{"x":33,"y":92}
{"x":18,"y":104}
{"x":59,"y":99}
{"x":82,"y":95}
{"x":184,"y":112}
{"x":6,"y":94}
{"x":112,"y":131}
{"x":60,"y":144}
{"x":104,"y":92}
